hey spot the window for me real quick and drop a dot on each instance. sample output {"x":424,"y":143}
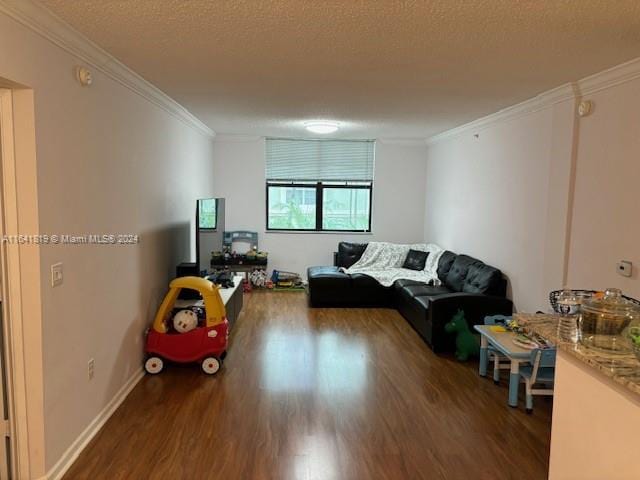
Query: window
{"x":346,"y":208}
{"x":291,"y":207}
{"x":319,"y":185}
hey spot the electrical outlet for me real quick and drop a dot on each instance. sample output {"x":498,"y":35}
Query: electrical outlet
{"x":625,"y":268}
{"x":56,"y":274}
{"x":91,"y":368}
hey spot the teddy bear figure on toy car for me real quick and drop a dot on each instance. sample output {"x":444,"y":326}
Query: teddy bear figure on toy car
{"x":185,"y":320}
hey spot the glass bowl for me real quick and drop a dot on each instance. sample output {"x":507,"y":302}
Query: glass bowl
{"x":604,"y":322}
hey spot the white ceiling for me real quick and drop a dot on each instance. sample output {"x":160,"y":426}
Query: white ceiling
{"x":386,"y":68}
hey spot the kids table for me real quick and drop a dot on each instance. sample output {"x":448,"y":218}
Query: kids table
{"x":503,"y":342}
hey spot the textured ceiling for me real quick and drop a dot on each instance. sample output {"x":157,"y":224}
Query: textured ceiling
{"x":383,"y":68}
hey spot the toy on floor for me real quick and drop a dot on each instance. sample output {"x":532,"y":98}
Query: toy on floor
{"x":286,"y":280}
{"x":185,"y":320}
{"x":258,"y":278}
{"x":205,"y":343}
{"x":467,"y":344}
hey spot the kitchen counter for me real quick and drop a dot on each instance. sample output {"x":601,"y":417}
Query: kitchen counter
{"x":596,"y":409}
{"x":622,"y":369}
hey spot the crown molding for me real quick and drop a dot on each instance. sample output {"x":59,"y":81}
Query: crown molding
{"x":45,"y":23}
{"x":611,"y":77}
{"x":403,"y":142}
{"x":603,"y":80}
{"x":544,"y":100}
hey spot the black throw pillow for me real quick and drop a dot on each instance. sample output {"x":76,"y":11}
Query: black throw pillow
{"x":415,"y":260}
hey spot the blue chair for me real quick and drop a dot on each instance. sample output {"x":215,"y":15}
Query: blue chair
{"x":541,"y":371}
{"x":500,"y":362}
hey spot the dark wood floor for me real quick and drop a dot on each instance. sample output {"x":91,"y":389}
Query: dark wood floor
{"x":320,"y":394}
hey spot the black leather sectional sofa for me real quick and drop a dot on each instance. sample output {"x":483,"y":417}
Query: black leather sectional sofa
{"x":467,"y":284}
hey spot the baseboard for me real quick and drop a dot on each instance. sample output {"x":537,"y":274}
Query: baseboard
{"x":72,"y":453}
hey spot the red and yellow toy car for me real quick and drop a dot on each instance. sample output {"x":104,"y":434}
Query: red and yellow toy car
{"x":206,"y":343}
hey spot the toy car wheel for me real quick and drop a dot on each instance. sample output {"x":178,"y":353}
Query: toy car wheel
{"x":154,"y":365}
{"x":210,"y":365}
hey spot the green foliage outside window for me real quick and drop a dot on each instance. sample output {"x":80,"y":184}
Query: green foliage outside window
{"x":295,"y":208}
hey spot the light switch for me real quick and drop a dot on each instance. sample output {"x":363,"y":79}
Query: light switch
{"x":56,"y":274}
{"x":625,"y":268}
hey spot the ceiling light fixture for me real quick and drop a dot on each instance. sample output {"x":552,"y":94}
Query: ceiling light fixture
{"x":322,"y":127}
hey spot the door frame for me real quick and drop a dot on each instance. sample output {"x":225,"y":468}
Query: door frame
{"x":12,"y":305}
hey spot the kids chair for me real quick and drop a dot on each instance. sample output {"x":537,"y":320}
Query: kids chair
{"x":541,"y":370}
{"x":500,"y":362}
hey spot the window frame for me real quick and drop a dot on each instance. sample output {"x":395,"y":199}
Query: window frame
{"x":319,"y":187}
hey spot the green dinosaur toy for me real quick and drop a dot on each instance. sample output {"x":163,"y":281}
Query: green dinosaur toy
{"x":466,"y":343}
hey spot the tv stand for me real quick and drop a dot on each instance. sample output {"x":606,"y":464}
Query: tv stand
{"x":231,"y":297}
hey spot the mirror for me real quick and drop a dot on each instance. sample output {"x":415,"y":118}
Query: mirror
{"x":209,"y":230}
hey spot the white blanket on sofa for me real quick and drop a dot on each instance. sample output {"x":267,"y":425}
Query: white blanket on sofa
{"x":383,"y":261}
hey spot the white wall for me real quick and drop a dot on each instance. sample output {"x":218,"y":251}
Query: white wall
{"x":545,"y":195}
{"x":605,"y":227}
{"x":488,"y":196}
{"x":398,"y":202}
{"x":108,"y":161}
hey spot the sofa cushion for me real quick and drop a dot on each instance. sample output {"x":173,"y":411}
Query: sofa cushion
{"x":403,"y":282}
{"x":444,"y":264}
{"x":434,"y":290}
{"x":416,"y":312}
{"x":330,"y":276}
{"x":367,"y":291}
{"x":458,"y":272}
{"x":349,"y":253}
{"x":415,"y":260}
{"x":482,"y":278}
{"x":423,"y":303}
{"x":360,"y":280}
{"x":411,"y":291}
{"x":422,"y":290}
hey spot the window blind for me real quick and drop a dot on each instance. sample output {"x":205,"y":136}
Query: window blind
{"x":319,"y":160}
